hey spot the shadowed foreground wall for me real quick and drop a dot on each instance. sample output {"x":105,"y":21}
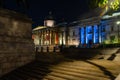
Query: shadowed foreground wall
{"x":16,"y":45}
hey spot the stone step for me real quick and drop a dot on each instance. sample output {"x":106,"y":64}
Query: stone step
{"x":24,"y":76}
{"x":77,"y":63}
{"x":15,"y":75}
{"x":36,"y":72}
{"x":71,"y":76}
{"x":30,"y":74}
{"x":76,"y":70}
{"x":76,"y":73}
{"x":11,"y":77}
{"x":42,"y":65}
{"x":39,"y":69}
{"x":50,"y":77}
{"x":92,"y":68}
{"x":80,"y":71}
{"x":65,"y":76}
{"x":53,"y":69}
{"x":42,"y":68}
{"x":92,"y":63}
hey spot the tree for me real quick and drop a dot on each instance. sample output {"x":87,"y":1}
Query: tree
{"x":97,"y":3}
{"x":108,"y":6}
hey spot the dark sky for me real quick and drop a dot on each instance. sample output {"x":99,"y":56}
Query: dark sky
{"x":66,"y":10}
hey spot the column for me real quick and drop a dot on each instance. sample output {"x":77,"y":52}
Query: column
{"x":66,"y":36}
{"x":40,"y":38}
{"x":98,"y":34}
{"x":43,"y":37}
{"x":118,"y":32}
{"x":85,"y":35}
{"x":79,"y":36}
{"x":49,"y":37}
{"x":46,"y":33}
{"x":62,"y":37}
{"x":56,"y":38}
{"x":93,"y":34}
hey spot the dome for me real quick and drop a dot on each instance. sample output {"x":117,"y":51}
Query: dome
{"x":49,"y":17}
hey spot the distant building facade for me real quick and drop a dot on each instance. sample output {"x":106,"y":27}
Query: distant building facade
{"x":48,"y":34}
{"x":92,"y":30}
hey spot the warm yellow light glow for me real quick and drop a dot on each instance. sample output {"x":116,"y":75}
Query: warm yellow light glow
{"x":107,"y":41}
{"x":49,"y":23}
{"x":36,"y":40}
{"x":118,"y":22}
{"x":39,"y":27}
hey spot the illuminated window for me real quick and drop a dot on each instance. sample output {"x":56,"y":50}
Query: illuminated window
{"x":73,"y":33}
{"x":112,"y":29}
{"x":103,"y":28}
{"x":103,"y":36}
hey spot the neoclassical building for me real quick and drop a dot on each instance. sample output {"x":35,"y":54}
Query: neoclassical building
{"x":92,"y":30}
{"x":48,"y":34}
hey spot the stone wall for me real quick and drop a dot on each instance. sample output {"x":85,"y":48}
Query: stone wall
{"x":16,"y":44}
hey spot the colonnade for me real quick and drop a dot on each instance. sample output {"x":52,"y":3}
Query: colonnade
{"x":48,"y":37}
{"x":91,"y":34}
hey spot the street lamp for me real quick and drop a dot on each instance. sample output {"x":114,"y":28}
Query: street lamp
{"x":118,"y":22}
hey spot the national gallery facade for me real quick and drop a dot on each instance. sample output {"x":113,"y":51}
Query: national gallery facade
{"x":93,"y":30}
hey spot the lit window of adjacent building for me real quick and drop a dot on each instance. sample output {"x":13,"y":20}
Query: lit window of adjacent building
{"x":112,"y":29}
{"x":103,"y":28}
{"x":73,"y":33}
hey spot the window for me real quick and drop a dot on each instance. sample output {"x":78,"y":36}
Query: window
{"x":112,"y":29}
{"x":73,"y":33}
{"x":103,"y":28}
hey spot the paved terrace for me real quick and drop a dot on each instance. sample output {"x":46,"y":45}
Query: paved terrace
{"x":60,"y":68}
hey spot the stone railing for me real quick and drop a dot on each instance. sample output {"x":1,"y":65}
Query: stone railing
{"x":47,"y":49}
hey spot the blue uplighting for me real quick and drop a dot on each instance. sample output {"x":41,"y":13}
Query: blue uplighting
{"x":88,"y":34}
{"x":103,"y":36}
{"x":82,"y":35}
{"x":96,"y":34}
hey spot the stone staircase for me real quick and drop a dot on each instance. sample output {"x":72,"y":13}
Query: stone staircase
{"x":72,"y":70}
{"x":32,"y":71}
{"x":84,"y":70}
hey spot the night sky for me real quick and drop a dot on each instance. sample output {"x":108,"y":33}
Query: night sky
{"x":67,"y":10}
